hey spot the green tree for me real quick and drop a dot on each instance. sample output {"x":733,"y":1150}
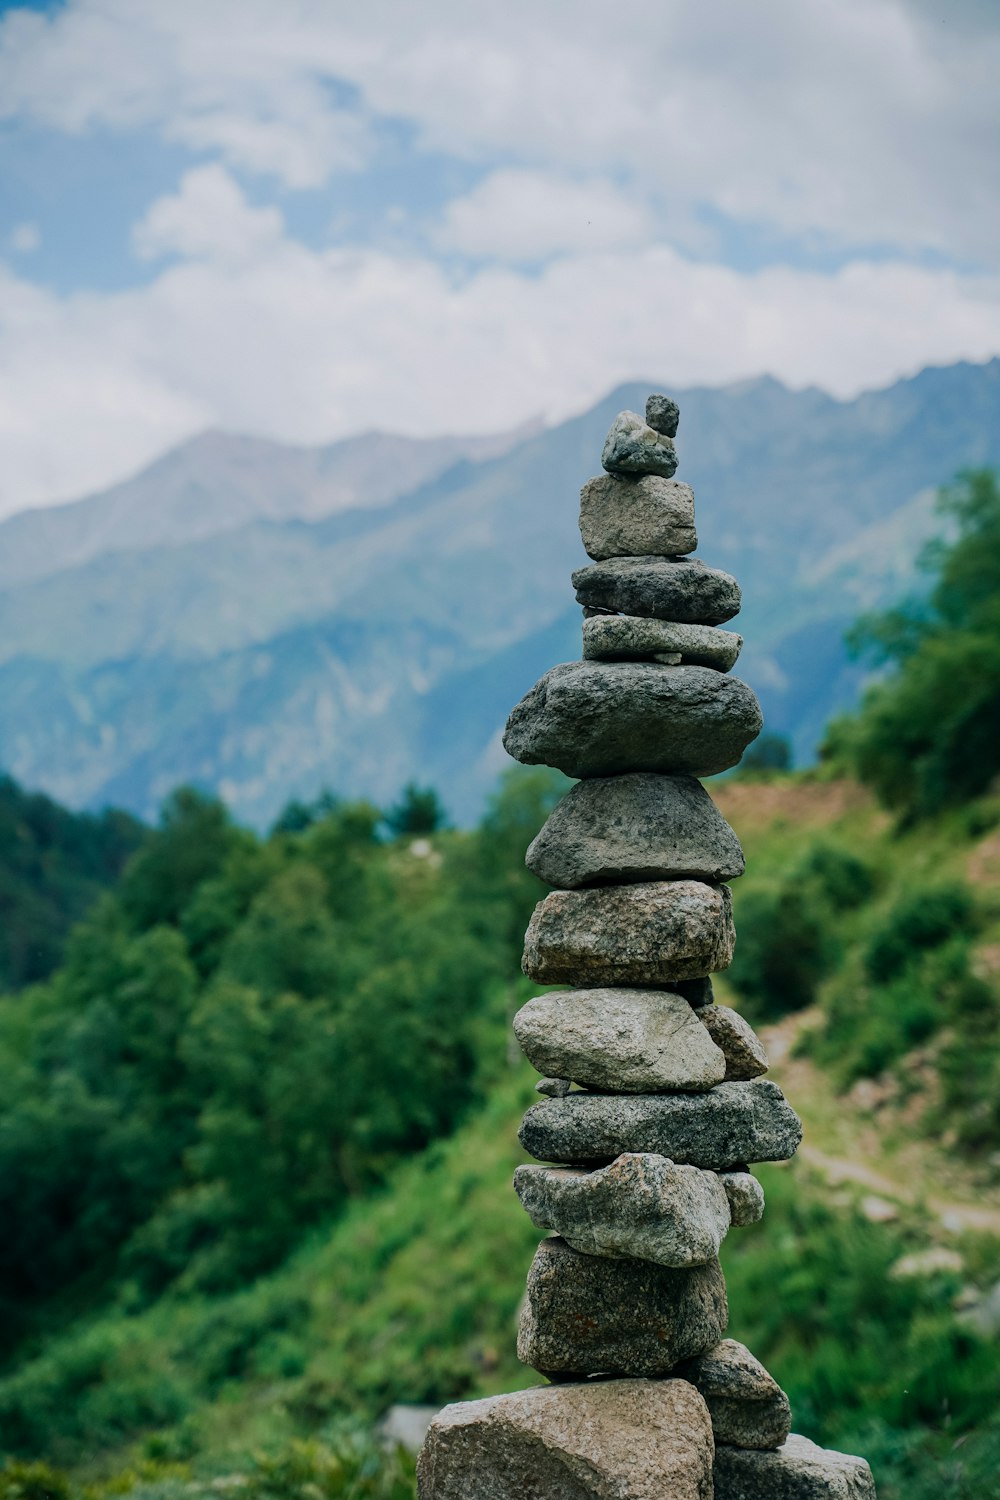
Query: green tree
{"x":418,"y":811}
{"x":928,"y":734}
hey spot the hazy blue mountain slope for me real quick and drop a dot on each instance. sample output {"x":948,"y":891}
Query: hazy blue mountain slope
{"x":283,"y":651}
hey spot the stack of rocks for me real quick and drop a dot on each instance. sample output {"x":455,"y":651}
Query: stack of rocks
{"x":655,"y":1102}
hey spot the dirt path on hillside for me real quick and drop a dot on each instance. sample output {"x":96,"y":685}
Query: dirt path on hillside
{"x":851,"y":1144}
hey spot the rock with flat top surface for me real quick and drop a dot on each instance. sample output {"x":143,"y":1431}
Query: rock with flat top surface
{"x":587,"y":1315}
{"x":608,"y":1440}
{"x":799,"y":1470}
{"x":649,"y":515}
{"x":682,"y":589}
{"x":633,"y":638}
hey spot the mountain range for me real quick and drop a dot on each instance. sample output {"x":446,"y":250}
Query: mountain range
{"x":268,"y":620}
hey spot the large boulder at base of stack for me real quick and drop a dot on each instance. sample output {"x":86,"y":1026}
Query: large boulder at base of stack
{"x":641,"y":1207}
{"x":797,"y":1471}
{"x":588,"y":1315}
{"x":622,"y":517}
{"x":638,"y":827}
{"x":609,"y":1440}
{"x":642,"y":935}
{"x":605,"y":718}
{"x":680,"y":589}
{"x":747,"y":1405}
{"x":633,"y":637}
{"x":626,"y":1041}
{"x":728,"y":1126}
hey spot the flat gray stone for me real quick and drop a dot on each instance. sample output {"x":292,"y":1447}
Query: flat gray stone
{"x":797,"y":1471}
{"x":554,"y":1088}
{"x":737,"y":1040}
{"x":624,"y":935}
{"x":622,"y":1041}
{"x":746,"y":1198}
{"x":633,"y":448}
{"x":732,"y":1124}
{"x":591,"y":718}
{"x":747,"y":1405}
{"x":681,"y":589}
{"x":587,"y":1315}
{"x":637,"y":827}
{"x":644,"y":516}
{"x":606,"y":1440}
{"x":635,"y":638}
{"x":662,"y":414}
{"x":641,"y":1207}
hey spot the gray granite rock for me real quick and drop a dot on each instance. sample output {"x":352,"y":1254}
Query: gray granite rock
{"x":606,"y":1440}
{"x":746,"y":1198}
{"x":647,"y":516}
{"x":637,"y":827}
{"x":641,"y":1207}
{"x":625,"y":935}
{"x":587,"y":1315}
{"x":797,"y":1471}
{"x":747,"y":1405}
{"x":736,"y":1039}
{"x":633,"y":448}
{"x":732,"y":1124}
{"x":553,"y":1088}
{"x":638,"y":637}
{"x":623,"y":1041}
{"x":680,"y":589}
{"x":663,"y":415}
{"x":591,"y":718}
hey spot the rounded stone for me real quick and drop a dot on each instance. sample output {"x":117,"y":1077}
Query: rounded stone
{"x":638,"y":638}
{"x":633,"y":448}
{"x":636,"y":827}
{"x":746,"y":1198}
{"x":625,"y":1041}
{"x":747,"y":1405}
{"x":607,"y":718}
{"x":625,"y":935}
{"x":663,"y":415}
{"x":737,"y":1040}
{"x":680,"y":589}
{"x":798,"y":1470}
{"x":647,"y":515}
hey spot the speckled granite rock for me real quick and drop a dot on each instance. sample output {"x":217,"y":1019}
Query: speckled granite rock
{"x":633,"y":638}
{"x":746,"y":1198}
{"x":591,"y":718}
{"x":668,"y":588}
{"x":647,"y":516}
{"x":607,"y":1440}
{"x":633,"y":448}
{"x":587,"y":1315}
{"x":619,"y":829}
{"x":736,"y":1039}
{"x":663,"y":414}
{"x":731,"y":1124}
{"x":797,"y":1471}
{"x":641,"y":1207}
{"x":625,"y":1041}
{"x":747,"y":1405}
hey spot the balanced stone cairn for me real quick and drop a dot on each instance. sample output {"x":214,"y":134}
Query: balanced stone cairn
{"x":654,"y":1101}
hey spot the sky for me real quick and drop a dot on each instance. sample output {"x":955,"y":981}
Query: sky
{"x":303,"y":219}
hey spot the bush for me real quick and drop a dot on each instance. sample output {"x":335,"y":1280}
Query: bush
{"x":921,"y":919}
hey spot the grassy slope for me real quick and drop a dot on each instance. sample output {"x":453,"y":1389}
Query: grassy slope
{"x":412,"y":1297}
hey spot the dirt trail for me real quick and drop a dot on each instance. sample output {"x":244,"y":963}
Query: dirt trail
{"x":856,"y":1145}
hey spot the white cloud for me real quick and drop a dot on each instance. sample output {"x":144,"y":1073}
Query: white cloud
{"x":521,"y":215}
{"x":24,"y":238}
{"x":209,"y":217}
{"x":865,"y":120}
{"x":307,"y":346}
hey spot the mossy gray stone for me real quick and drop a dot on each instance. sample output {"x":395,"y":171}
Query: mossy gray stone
{"x":799,"y":1470}
{"x":591,"y":718}
{"x":636,"y":827}
{"x":680,"y":589}
{"x":587,"y":1315}
{"x":638,"y":638}
{"x":621,"y":1040}
{"x":730,"y":1125}
{"x":631,"y":447}
{"x":747,"y":1405}
{"x":742,"y":1047}
{"x":641,"y":1207}
{"x":606,"y":1440}
{"x":624,"y":935}
{"x":645,"y":516}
